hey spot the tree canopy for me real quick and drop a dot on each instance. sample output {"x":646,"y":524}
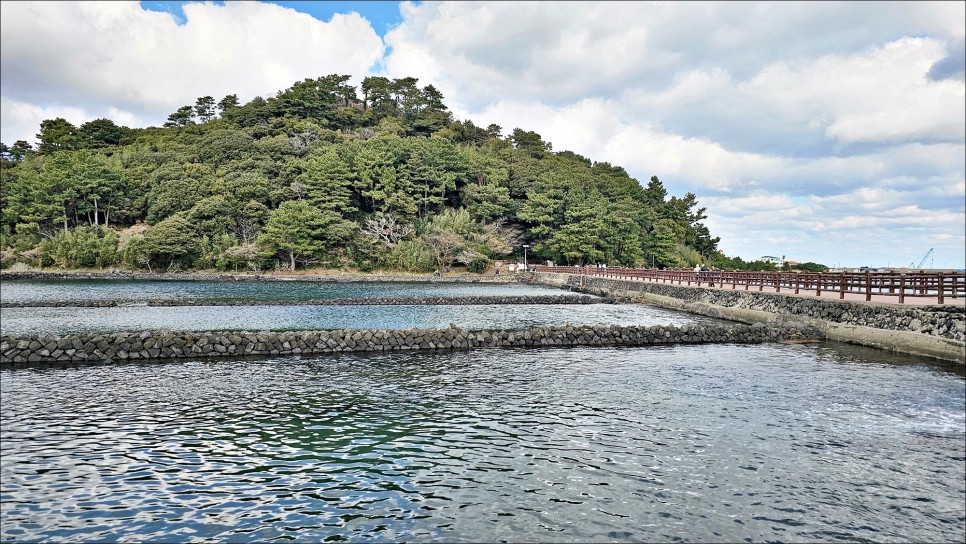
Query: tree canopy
{"x":325,"y":173}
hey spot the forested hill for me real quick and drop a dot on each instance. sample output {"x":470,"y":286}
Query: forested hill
{"x":325,"y":174}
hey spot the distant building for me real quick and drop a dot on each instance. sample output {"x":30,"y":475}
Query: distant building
{"x":773,"y":260}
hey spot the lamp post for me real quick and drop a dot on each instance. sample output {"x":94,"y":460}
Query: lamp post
{"x":525,"y":267}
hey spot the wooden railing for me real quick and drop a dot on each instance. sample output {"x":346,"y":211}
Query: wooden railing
{"x":901,"y":285}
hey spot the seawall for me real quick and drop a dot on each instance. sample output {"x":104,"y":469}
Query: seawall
{"x":931,"y":331}
{"x":16,"y":351}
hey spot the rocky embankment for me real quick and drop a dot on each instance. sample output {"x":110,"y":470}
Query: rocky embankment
{"x":97,"y":348}
{"x":934,"y":331}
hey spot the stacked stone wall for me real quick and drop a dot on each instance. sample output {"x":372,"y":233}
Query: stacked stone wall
{"x":96,"y":348}
{"x":935,"y":330}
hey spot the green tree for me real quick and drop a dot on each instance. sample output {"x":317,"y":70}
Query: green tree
{"x":223,"y":145}
{"x":530,"y":142}
{"x":67,"y":187}
{"x":56,"y":135}
{"x":171,"y":243}
{"x":316,"y":99}
{"x":180,"y":118}
{"x":452,"y":236}
{"x":488,"y":202}
{"x":433,"y":170}
{"x":377,"y":94}
{"x":205,"y":108}
{"x":661,"y":244}
{"x":687,"y":213}
{"x":230,"y":102}
{"x":212,"y":217}
{"x":329,"y":182}
{"x":176,"y":187}
{"x":100,"y":133}
{"x":18,"y":151}
{"x":83,"y":247}
{"x":379,"y":185}
{"x":580,"y":239}
{"x":302,"y":231}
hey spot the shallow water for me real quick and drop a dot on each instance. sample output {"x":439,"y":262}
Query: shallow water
{"x":130,"y":291}
{"x":134,"y":315}
{"x":22,"y":321}
{"x":792,"y":443}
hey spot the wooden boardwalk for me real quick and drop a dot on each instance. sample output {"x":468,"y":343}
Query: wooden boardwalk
{"x":911,"y":288}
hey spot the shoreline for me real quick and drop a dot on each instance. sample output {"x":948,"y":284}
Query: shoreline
{"x":451,"y":277}
{"x":932,"y":331}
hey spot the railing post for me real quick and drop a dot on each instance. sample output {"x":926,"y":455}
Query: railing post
{"x":902,"y":288}
{"x":778,"y":282}
{"x":955,"y":287}
{"x":942,"y":286}
{"x":818,"y":285}
{"x":842,"y":281}
{"x":868,"y":287}
{"x":796,"y":283}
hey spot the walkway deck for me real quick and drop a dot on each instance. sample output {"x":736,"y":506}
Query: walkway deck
{"x":908,"y":289}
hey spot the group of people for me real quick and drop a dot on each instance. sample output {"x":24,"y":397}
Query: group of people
{"x":702,"y":273}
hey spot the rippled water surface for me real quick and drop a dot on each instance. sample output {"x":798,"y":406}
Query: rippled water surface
{"x":137,"y":316}
{"x":792,"y":443}
{"x":197,"y":318}
{"x":141,"y":290}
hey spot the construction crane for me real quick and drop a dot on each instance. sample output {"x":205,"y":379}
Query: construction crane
{"x":915,"y":266}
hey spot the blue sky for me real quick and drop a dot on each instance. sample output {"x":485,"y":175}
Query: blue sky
{"x":382,"y":15}
{"x":832,"y":132}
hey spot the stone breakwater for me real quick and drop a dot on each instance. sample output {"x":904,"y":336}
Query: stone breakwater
{"x":936,"y":331}
{"x":97,"y":348}
{"x":385,"y":301}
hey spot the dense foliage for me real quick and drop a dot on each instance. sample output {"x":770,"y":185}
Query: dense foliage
{"x":321,"y":176}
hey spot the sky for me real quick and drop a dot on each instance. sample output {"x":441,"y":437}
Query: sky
{"x":829,"y":132}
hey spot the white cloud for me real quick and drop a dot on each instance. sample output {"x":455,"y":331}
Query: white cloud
{"x":795,"y":123}
{"x":116,"y":54}
{"x":21,"y":121}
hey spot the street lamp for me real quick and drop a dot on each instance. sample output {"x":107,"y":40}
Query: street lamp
{"x":525,"y":267}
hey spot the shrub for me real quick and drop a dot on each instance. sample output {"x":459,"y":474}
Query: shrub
{"x":412,"y":256}
{"x":83,"y":247}
{"x":478,"y":266}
